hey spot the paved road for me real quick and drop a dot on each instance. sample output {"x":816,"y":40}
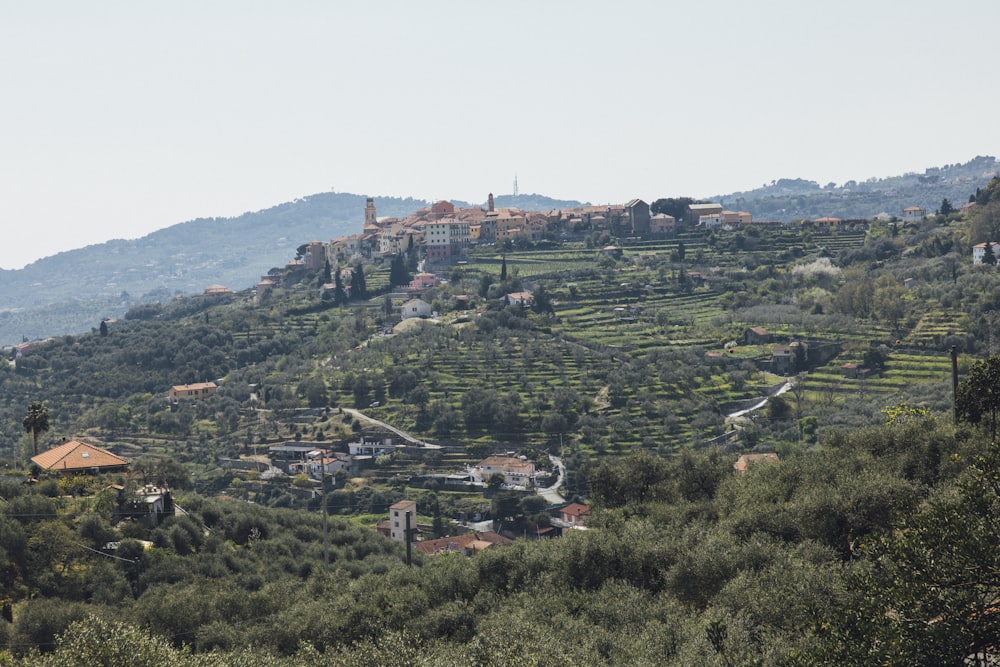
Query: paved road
{"x":403,"y":434}
{"x":551,"y":493}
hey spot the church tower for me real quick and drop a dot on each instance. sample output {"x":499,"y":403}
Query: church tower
{"x":370,"y":219}
{"x":489,"y":204}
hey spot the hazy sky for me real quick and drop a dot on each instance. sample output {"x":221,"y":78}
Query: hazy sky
{"x":119,"y":118}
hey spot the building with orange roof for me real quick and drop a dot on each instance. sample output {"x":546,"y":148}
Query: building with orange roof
{"x":197,"y":390}
{"x":469,"y":544}
{"x":77,"y":456}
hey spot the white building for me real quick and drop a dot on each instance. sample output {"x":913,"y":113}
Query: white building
{"x":516,"y":472}
{"x":979,"y":251}
{"x":397,"y":519}
{"x":415,"y":308}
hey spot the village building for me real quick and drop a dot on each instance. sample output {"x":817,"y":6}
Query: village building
{"x":696,"y":211}
{"x":638,"y":216}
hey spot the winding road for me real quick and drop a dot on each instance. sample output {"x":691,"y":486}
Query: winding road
{"x":403,"y":434}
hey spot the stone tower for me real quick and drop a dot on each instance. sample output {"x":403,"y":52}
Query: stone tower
{"x":489,"y":205}
{"x":370,"y":219}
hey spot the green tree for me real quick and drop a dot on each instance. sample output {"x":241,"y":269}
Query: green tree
{"x":946,"y":207}
{"x":989,"y":256}
{"x":930,"y":588}
{"x":359,"y":291}
{"x":398,"y":274}
{"x":978,"y":396}
{"x":503,"y":269}
{"x":35,"y":422}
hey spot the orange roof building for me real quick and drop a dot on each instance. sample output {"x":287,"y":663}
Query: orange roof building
{"x":78,"y":456}
{"x":468,"y":544}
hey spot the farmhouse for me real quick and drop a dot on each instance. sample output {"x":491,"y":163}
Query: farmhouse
{"x":756,"y":336}
{"x":198,"y":390}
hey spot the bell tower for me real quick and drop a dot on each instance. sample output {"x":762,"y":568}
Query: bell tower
{"x":489,"y":203}
{"x":370,"y":219}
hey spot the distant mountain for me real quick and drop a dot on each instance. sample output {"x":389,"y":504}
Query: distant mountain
{"x":70,"y":292}
{"x":789,"y":199}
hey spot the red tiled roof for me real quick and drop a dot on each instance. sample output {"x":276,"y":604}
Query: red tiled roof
{"x":77,"y":455}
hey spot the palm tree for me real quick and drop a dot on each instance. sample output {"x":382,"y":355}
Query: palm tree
{"x":36,"y":421}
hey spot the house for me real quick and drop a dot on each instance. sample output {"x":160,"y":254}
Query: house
{"x":914,"y":213}
{"x":695,"y":211}
{"x":415,"y":308}
{"x":756,"y":336}
{"x":733,"y":219}
{"x":661,"y":223}
{"x":423,"y":281}
{"x":521,"y":299}
{"x":398,"y":513}
{"x":515,"y":472}
{"x":199,"y":390}
{"x":217,"y":290}
{"x":747,"y":460}
{"x":372,"y":444}
{"x":469,"y":544}
{"x":288,"y":456}
{"x":612,"y":251}
{"x":710,"y":221}
{"x":850,"y":370}
{"x":794,"y":357}
{"x":575,"y":514}
{"x":782,"y":360}
{"x":77,"y":456}
{"x":979,"y":252}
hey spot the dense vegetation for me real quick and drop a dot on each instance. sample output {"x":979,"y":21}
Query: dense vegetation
{"x":872,"y":541}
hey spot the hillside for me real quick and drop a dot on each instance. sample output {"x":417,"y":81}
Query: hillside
{"x":790,"y":199}
{"x":877,"y":516}
{"x":46,"y":298}
{"x":72,"y":291}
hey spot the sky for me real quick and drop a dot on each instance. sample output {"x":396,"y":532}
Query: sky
{"x":118,"y":118}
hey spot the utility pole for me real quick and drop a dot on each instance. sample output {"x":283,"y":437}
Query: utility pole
{"x":326,"y":530}
{"x":408,"y":540}
{"x":954,"y":382}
